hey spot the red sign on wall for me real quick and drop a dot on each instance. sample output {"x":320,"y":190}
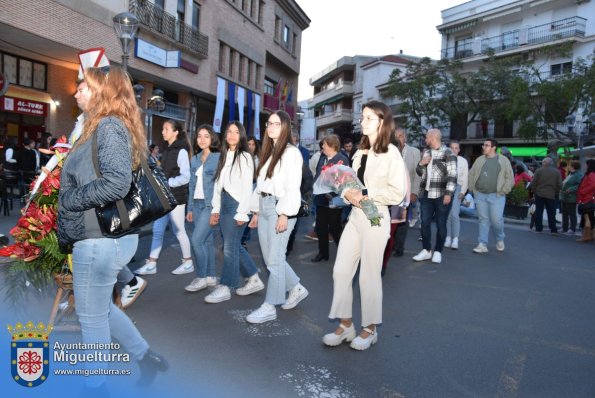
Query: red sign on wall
{"x":23,"y":106}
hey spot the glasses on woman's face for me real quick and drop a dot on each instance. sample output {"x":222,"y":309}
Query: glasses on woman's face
{"x":273,"y":124}
{"x":367,"y":119}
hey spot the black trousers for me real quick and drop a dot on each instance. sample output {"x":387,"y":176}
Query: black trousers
{"x":328,"y":220}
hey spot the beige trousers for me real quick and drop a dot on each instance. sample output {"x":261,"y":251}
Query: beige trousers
{"x":360,"y":242}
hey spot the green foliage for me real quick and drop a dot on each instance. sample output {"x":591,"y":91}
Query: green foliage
{"x":518,"y":196}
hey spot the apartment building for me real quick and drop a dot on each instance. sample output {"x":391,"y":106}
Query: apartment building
{"x":182,"y":47}
{"x":505,"y":27}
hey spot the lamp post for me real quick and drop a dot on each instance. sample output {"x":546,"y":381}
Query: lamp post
{"x":125,"y":25}
{"x":154,"y":104}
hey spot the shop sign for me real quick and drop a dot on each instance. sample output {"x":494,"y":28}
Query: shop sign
{"x":3,"y":84}
{"x":23,"y":106}
{"x":152,"y":53}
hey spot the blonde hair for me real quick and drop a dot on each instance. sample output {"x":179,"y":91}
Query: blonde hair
{"x":112,"y":95}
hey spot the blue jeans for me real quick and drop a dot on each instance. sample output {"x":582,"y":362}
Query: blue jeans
{"x":429,"y":208}
{"x":282,"y":278}
{"x":203,"y":242}
{"x":490,"y":211}
{"x":232,"y":249}
{"x":95,"y":264}
{"x":453,"y":222}
{"x":550,"y":208}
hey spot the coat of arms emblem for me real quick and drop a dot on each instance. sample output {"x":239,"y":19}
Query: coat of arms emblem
{"x":30,"y":353}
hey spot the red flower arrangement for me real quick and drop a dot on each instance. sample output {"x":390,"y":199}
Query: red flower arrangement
{"x":36,"y":243}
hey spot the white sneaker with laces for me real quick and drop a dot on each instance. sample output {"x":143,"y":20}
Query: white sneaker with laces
{"x":437,"y":257}
{"x":196,"y":285}
{"x":297,"y":294}
{"x":480,"y":248}
{"x":253,"y":285}
{"x":211,"y":281}
{"x":150,"y":268}
{"x":455,"y":244}
{"x":131,"y":293}
{"x":423,"y":255}
{"x":185,"y":268}
{"x":500,"y":246}
{"x":447,"y":242}
{"x":221,"y":293}
{"x":266,"y":312}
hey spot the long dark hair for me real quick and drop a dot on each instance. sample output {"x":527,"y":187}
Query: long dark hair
{"x":256,"y":145}
{"x":240,"y":148}
{"x":270,"y":150}
{"x":182,"y":136}
{"x":386,"y":131}
{"x":214,"y":147}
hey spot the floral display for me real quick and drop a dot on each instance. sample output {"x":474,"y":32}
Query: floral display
{"x":35,"y":245}
{"x":337,"y":178}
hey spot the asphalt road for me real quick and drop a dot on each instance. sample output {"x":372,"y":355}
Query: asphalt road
{"x":514,"y":324}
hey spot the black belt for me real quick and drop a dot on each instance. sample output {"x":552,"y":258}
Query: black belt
{"x":265,"y":194}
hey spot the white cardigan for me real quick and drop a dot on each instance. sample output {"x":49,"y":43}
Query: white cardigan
{"x":237,"y":181}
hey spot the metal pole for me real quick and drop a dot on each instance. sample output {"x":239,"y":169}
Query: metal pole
{"x":125,"y":62}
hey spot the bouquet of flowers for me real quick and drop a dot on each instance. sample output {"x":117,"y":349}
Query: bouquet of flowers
{"x":338,"y":178}
{"x":36,"y":249}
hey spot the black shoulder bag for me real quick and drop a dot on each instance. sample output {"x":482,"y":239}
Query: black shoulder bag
{"x":149,"y":198}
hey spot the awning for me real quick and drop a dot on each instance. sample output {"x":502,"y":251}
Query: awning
{"x":530,"y":151}
{"x":458,"y":27}
{"x":28,"y":94}
{"x":329,"y":101}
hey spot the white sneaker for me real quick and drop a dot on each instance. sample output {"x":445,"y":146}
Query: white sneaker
{"x":150,"y":268}
{"x":253,"y":285}
{"x":500,"y":246}
{"x":455,"y":244}
{"x":480,"y":248}
{"x":131,"y":293}
{"x":447,"y":242}
{"x":437,"y":257}
{"x":423,"y":255}
{"x":185,"y":268}
{"x":297,"y":294}
{"x":221,"y":293}
{"x":266,"y":312}
{"x":196,"y":285}
{"x":211,"y":281}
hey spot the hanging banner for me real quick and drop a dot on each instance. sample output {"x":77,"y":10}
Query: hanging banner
{"x":241,"y":96}
{"x":220,"y":105}
{"x":231,"y":97}
{"x":250,"y":113}
{"x":257,"y":116}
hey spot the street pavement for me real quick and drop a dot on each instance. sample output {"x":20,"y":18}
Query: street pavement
{"x":518,"y":323}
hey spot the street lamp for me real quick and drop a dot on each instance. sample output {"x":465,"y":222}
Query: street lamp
{"x":125,"y":25}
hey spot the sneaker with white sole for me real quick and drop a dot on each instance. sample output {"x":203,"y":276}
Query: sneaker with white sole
{"x":131,"y":293}
{"x":253,"y":285}
{"x":266,"y":312}
{"x":455,"y":244}
{"x":480,"y":248}
{"x":196,"y":285}
{"x":500,"y":246}
{"x":150,"y":268}
{"x":185,"y":268}
{"x":423,"y":255}
{"x":437,"y":257}
{"x":211,"y":281}
{"x":221,"y":293}
{"x":297,"y":294}
{"x":447,"y":242}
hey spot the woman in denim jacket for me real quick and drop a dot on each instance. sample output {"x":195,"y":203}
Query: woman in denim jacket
{"x":203,"y":166}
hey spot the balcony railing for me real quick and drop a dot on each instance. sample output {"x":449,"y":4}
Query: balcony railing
{"x":345,"y":115}
{"x":270,"y":102}
{"x":549,"y":32}
{"x":172,"y":111}
{"x":159,"y":21}
{"x":344,"y":88}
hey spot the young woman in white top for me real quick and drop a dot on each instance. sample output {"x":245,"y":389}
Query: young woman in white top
{"x":275,"y":201}
{"x":231,"y":205}
{"x":380,"y":167}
